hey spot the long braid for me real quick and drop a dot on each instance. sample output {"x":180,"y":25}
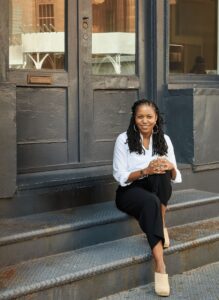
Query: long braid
{"x":134,"y":139}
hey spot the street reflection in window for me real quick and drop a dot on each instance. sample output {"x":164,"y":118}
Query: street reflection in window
{"x":114,"y":37}
{"x":36,"y":39}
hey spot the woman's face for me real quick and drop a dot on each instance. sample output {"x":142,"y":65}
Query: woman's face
{"x":145,"y":119}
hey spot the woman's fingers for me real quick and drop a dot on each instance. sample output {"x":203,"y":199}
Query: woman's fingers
{"x":159,"y":166}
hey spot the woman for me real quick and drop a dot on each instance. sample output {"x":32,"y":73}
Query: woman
{"x":144,"y":164}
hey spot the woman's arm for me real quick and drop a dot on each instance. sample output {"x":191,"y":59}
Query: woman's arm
{"x":172,"y":166}
{"x":120,"y":161}
{"x":150,"y":170}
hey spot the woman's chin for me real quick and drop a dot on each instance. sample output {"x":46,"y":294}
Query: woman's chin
{"x":146,"y":131}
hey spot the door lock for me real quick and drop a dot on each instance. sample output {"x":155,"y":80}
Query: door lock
{"x":85,"y":23}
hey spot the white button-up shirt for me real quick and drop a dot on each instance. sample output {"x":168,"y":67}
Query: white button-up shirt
{"x":125,"y":162}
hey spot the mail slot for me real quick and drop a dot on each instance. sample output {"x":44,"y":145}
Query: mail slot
{"x":33,"y":79}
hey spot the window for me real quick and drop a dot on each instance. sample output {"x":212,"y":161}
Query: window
{"x":114,"y":37}
{"x":36,"y":34}
{"x":193,"y":36}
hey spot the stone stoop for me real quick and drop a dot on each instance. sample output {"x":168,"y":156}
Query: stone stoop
{"x":94,"y":251}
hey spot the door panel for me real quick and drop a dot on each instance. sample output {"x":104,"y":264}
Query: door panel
{"x":110,"y":117}
{"x":41,"y":127}
{"x":35,"y":157}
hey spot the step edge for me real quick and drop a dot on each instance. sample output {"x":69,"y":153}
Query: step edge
{"x":14,"y":238}
{"x":207,"y":200}
{"x":58,"y":229}
{"x":64,"y":279}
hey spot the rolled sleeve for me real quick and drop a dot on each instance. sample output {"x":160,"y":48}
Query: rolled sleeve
{"x":178,"y":178}
{"x":120,"y":162}
{"x":171,"y":157}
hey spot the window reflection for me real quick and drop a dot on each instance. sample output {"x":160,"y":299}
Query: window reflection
{"x":36,"y":38}
{"x":193,"y":36}
{"x":113,"y":37}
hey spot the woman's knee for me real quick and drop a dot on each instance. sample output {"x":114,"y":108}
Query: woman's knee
{"x":131,"y":201}
{"x":153,"y":199}
{"x":164,"y":179}
{"x":162,"y":187}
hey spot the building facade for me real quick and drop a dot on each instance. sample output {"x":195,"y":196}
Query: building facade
{"x":70,"y":71}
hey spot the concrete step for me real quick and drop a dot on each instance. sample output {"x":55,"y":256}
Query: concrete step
{"x":54,"y":232}
{"x":60,"y":189}
{"x":100,"y":270}
{"x":197,"y":284}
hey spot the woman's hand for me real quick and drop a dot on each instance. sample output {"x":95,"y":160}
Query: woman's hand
{"x":159,"y":166}
{"x":165,"y":164}
{"x":156,"y":166}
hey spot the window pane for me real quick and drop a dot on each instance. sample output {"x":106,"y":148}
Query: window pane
{"x":113,"y":37}
{"x":193,"y":36}
{"x":36,"y":39}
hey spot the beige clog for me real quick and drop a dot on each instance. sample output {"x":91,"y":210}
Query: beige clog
{"x":162,"y":287}
{"x":166,"y":238}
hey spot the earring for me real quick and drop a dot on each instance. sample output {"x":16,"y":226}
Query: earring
{"x":135,"y":128}
{"x":157,"y":129}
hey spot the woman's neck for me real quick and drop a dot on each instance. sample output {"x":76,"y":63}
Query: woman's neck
{"x":145,"y":136}
{"x":145,"y":139}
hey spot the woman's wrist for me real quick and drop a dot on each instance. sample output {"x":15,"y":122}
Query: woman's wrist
{"x":173,"y":172}
{"x":143,"y":173}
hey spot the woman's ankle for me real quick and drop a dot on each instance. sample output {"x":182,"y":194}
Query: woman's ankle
{"x":160,"y":268}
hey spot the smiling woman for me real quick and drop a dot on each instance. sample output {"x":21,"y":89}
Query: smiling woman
{"x":144,"y":164}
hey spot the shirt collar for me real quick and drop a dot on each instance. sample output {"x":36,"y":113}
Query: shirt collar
{"x":150,"y":141}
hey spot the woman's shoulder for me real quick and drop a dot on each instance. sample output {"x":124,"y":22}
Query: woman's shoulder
{"x":122,"y":137}
{"x":167,"y":139}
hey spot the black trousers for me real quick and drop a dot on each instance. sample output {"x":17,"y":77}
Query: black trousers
{"x":142,"y":198}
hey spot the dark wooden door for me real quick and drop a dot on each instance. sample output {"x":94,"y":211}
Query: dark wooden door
{"x":111,"y":72}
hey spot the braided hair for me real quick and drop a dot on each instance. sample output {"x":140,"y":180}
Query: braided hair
{"x":134,"y":138}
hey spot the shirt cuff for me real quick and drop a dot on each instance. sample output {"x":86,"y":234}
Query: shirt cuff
{"x":178,"y":178}
{"x":122,"y":178}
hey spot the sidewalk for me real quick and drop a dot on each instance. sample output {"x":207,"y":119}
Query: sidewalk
{"x":197,"y":284}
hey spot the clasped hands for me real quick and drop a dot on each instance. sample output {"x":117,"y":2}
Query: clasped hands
{"x":159,"y":166}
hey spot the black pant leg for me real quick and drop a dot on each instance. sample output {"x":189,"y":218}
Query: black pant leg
{"x":145,"y":207}
{"x":160,"y":184}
